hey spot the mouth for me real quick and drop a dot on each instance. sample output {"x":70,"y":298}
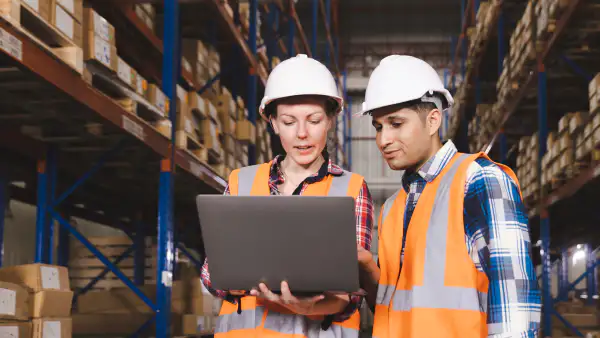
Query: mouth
{"x":304,"y":149}
{"x":390,"y":153}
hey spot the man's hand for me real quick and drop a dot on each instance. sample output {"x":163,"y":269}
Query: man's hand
{"x":302,"y":306}
{"x":364,"y":256}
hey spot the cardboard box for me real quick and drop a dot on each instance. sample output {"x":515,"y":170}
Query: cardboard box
{"x":127,"y":74}
{"x":196,"y":324}
{"x":195,"y":51}
{"x":15,"y":329}
{"x":67,"y":24}
{"x":14,"y":301}
{"x":158,"y":98}
{"x":73,"y":56}
{"x":37,"y":277}
{"x":245,"y":131}
{"x":74,"y":7}
{"x":142,"y":85}
{"x":42,"y":7}
{"x":99,"y":50}
{"x":106,"y":325}
{"x":52,"y":328}
{"x":51,"y":304}
{"x":93,"y":22}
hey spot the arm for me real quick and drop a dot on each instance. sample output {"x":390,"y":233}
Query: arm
{"x":364,"y":228}
{"x":496,"y":225}
{"x":205,"y":276}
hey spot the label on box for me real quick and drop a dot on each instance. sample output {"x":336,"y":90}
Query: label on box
{"x":68,"y":5}
{"x":124,"y":72}
{"x":101,"y":27}
{"x":181,"y":93}
{"x":102,"y":51}
{"x":188,"y":126}
{"x":50,"y":277}
{"x":9,"y":331}
{"x":64,"y":22}
{"x":133,"y":128}
{"x":200,"y":327}
{"x":51,"y":330}
{"x":10,"y":44}
{"x":8,"y":302}
{"x":35,"y":4}
{"x":161,"y":100}
{"x":141,"y":85}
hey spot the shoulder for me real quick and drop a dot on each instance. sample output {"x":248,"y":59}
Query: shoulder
{"x":485,"y":175}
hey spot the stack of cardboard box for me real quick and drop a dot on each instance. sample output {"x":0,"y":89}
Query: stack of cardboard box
{"x":196,"y":54}
{"x":583,"y":317}
{"x":147,"y":14}
{"x":122,"y":312}
{"x":67,"y":17}
{"x":40,"y":292}
{"x":99,"y":40}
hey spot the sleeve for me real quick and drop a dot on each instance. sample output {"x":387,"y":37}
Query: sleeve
{"x":205,"y":276}
{"x":496,"y":225}
{"x":364,"y":226}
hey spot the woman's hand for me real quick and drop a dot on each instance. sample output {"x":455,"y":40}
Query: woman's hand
{"x":364,"y":256}
{"x":302,"y":306}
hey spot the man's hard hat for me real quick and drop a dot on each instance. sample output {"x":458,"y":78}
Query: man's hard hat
{"x":300,"y":75}
{"x":402,"y":78}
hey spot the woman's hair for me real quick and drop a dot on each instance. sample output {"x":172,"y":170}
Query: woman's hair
{"x":331,"y":105}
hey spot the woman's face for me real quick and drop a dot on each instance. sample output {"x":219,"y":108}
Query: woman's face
{"x":302,"y":125}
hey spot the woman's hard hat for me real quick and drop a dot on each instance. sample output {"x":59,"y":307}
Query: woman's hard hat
{"x":300,"y":75}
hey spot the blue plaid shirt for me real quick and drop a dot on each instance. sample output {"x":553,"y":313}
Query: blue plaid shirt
{"x":497,"y":237}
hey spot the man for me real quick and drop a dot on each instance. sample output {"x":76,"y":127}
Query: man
{"x":454,"y":249}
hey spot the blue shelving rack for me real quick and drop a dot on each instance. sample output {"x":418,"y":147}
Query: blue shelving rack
{"x":167,"y":176}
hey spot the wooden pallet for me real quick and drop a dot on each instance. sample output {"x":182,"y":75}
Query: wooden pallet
{"x":44,"y":34}
{"x":109,"y":84}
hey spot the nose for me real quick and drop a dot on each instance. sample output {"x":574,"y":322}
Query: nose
{"x":302,"y":133}
{"x":385,"y":138}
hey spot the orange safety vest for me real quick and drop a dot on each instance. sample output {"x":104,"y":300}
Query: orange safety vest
{"x":258,"y":317}
{"x":436,"y":291}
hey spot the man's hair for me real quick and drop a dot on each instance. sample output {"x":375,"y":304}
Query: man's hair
{"x":422,"y":108}
{"x":331,"y":105}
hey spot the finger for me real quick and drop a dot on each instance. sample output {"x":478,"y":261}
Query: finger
{"x":254,"y":293}
{"x":267,"y":293}
{"x":286,"y":294}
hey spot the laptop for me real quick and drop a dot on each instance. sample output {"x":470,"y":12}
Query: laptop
{"x":308,"y":241}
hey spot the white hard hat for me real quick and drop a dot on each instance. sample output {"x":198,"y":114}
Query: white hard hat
{"x":300,"y":75}
{"x":402,"y":78}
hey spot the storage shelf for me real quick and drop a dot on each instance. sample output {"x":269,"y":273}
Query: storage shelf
{"x":511,"y":106}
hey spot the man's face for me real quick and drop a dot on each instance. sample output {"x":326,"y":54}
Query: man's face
{"x":404,"y":136}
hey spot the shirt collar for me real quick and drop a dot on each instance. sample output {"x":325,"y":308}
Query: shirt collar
{"x":433,"y":167}
{"x":328,"y":167}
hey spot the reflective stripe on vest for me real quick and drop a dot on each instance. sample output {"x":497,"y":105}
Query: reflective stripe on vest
{"x":433,"y":293}
{"x":249,"y":182}
{"x":248,"y":319}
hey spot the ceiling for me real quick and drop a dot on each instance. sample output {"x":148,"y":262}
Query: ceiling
{"x":372,"y":29}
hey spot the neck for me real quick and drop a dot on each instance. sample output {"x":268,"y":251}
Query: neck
{"x":293,"y":168}
{"x":436,"y":145}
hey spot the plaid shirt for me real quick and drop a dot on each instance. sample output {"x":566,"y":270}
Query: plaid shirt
{"x":497,"y":237}
{"x":364,"y":222}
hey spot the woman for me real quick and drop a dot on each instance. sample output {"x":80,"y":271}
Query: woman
{"x":301,"y":103}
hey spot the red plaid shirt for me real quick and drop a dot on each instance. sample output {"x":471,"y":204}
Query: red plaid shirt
{"x":364,"y":222}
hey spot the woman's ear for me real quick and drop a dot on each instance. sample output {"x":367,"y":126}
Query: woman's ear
{"x":273,"y":125}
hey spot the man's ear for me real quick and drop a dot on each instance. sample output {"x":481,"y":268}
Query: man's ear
{"x":434,"y":121}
